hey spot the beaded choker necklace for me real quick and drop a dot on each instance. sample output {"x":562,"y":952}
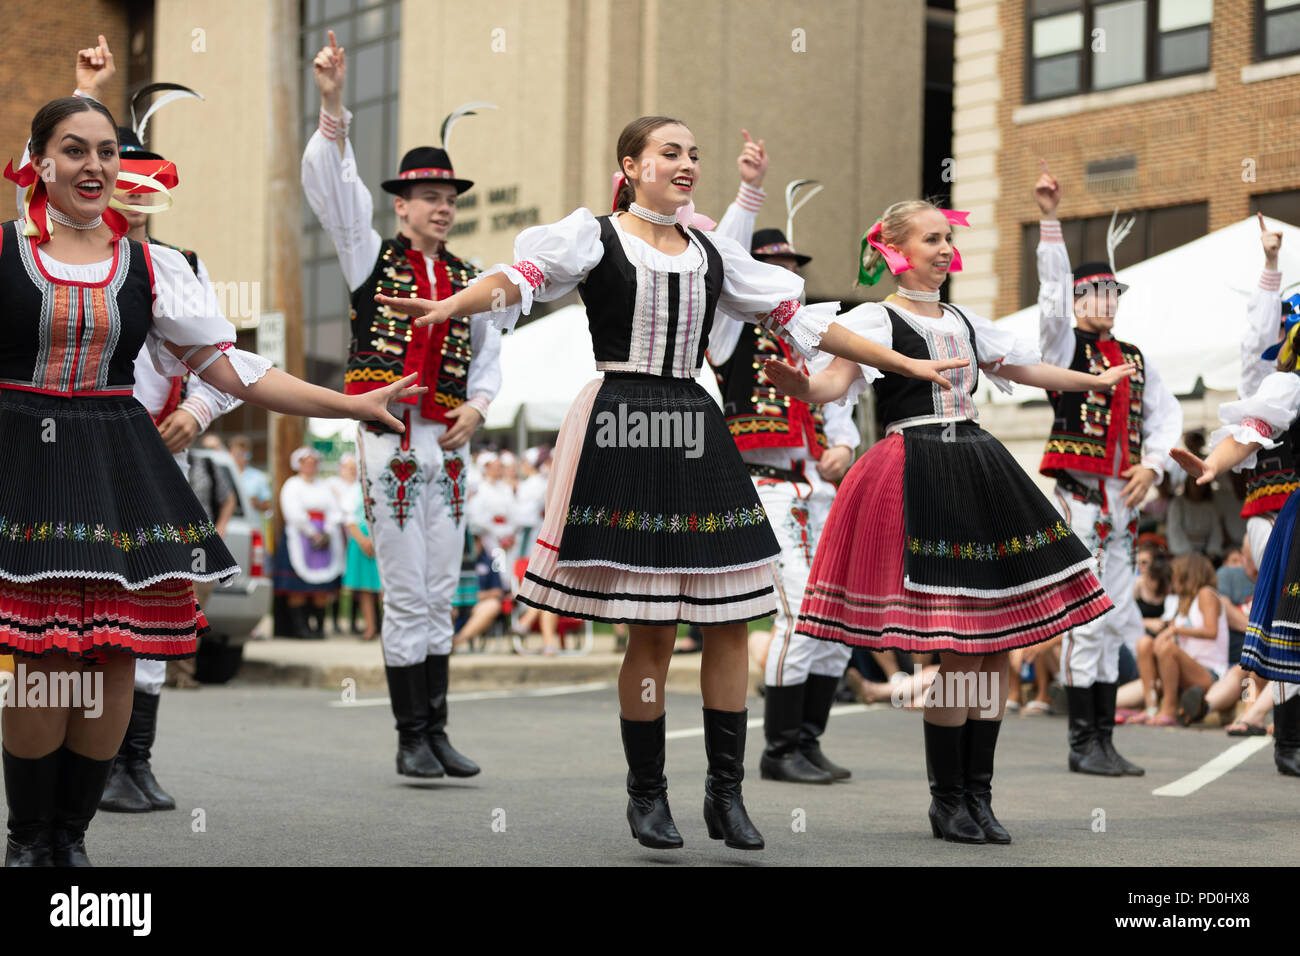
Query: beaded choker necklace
{"x":649,"y":215}
{"x":916,"y":296}
{"x":63,"y":219}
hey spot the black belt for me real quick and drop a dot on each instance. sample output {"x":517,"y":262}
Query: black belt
{"x":1079,"y":490}
{"x":780,"y":474}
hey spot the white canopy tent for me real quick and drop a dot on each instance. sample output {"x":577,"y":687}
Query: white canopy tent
{"x":1186,"y":308}
{"x":543,"y":367}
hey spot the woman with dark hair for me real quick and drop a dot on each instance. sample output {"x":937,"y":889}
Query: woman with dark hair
{"x":651,"y":518}
{"x":101,"y":539}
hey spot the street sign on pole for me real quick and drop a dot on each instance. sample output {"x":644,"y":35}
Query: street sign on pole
{"x":270,"y":338}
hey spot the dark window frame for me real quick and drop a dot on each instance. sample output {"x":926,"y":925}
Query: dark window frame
{"x":1152,"y":72}
{"x":1261,"y":29}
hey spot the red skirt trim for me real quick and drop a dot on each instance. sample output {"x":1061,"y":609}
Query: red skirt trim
{"x":856,"y":592}
{"x":81,"y":617}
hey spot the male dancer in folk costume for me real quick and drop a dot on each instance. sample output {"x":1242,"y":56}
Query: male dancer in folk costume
{"x":795,"y":452}
{"x":181,"y":406}
{"x":413,"y":483}
{"x":1106,"y":450}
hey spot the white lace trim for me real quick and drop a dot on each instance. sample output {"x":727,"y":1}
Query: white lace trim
{"x":910,"y":585}
{"x":807,"y":326}
{"x":1246,"y":435}
{"x":640,"y":570}
{"x":223,"y":575}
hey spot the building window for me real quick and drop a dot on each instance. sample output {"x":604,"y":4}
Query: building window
{"x":1284,"y":206}
{"x":1277,"y":28}
{"x":1082,"y":46}
{"x":1154,"y":232}
{"x":369,"y":30}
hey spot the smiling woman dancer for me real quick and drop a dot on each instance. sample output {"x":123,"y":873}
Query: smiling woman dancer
{"x":637,"y":530}
{"x":101,"y":539}
{"x":937,"y":539}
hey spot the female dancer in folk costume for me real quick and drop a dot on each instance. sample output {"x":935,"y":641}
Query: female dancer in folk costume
{"x":102,"y":539}
{"x":648,"y":524}
{"x":937,"y":540}
{"x":1266,"y":422}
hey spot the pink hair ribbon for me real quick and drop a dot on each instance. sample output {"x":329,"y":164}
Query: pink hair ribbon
{"x":895,"y":261}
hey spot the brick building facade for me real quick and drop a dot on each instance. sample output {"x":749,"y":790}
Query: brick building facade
{"x":1191,"y":152}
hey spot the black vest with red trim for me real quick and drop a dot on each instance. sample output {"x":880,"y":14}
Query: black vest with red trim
{"x":901,"y":397}
{"x":1274,"y":477}
{"x":71,"y":338}
{"x":1097,"y":432}
{"x":758,"y":415}
{"x":386,"y":346}
{"x":179,"y":382}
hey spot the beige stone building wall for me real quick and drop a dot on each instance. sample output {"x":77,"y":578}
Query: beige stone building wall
{"x":568,"y":74}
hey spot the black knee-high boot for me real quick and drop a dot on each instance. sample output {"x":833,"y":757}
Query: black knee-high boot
{"x":647,"y":787}
{"x":78,"y":791}
{"x":783,"y":715}
{"x":29,"y":793}
{"x":1103,"y":698}
{"x":455,"y":762}
{"x":138,"y":747}
{"x":1286,"y":737}
{"x":818,"y":698}
{"x":1086,"y":755}
{"x":408,"y":691}
{"x":980,"y":742}
{"x":945,"y":765}
{"x":724,"y":807}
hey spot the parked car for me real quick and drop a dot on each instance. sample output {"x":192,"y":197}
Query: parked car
{"x":235,"y":607}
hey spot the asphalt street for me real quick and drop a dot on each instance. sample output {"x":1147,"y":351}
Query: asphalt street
{"x":276,"y":775}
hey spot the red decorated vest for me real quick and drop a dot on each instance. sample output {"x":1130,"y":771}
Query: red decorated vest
{"x":1097,"y":432}
{"x":759,"y":416}
{"x":386,"y":346}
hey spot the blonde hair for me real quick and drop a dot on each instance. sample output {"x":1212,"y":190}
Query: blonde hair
{"x":895,"y":226}
{"x":1286,"y":356}
{"x":1191,"y":572}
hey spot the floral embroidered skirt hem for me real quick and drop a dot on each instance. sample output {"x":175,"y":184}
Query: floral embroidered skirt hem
{"x":101,"y":537}
{"x":1272,"y":645}
{"x":938,"y":541}
{"x":651,"y":517}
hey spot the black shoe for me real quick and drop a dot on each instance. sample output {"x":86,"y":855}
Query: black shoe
{"x":647,"y":788}
{"x":818,"y":698}
{"x":79,"y":788}
{"x":121,"y":795}
{"x":1193,"y":706}
{"x":1103,"y":701}
{"x":980,"y":742}
{"x":137,"y":749}
{"x":783,"y":710}
{"x":944,"y":764}
{"x":724,"y":807}
{"x":29,"y":793}
{"x":1086,"y":754}
{"x":1286,"y":737}
{"x":408,"y":691}
{"x":455,"y":763}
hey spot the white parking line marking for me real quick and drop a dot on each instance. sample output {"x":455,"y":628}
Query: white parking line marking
{"x":1213,"y":770}
{"x":556,"y":691}
{"x":839,"y":710}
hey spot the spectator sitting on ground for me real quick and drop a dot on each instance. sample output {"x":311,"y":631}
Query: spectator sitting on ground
{"x":472,"y":621}
{"x":1193,"y":523}
{"x":1192,"y":649}
{"x":1046,"y":659}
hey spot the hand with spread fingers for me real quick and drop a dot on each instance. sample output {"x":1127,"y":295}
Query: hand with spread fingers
{"x":426,"y":311}
{"x":373,"y":406}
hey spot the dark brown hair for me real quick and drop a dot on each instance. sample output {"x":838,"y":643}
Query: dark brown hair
{"x":632,"y":142}
{"x":49,"y":116}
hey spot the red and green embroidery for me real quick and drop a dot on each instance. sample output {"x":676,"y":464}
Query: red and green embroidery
{"x":659,"y":523}
{"x":993,"y":551}
{"x":123,"y":540}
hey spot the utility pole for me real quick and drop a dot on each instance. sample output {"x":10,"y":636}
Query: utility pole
{"x":284,"y":199}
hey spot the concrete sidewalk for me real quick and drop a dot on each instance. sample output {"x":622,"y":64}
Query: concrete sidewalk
{"x":328,"y":663}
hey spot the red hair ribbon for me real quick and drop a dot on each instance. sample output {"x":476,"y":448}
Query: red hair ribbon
{"x":36,"y":199}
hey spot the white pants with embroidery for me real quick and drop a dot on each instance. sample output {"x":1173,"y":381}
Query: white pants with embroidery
{"x":415,"y":506}
{"x":1090,"y":654}
{"x":797,"y":513}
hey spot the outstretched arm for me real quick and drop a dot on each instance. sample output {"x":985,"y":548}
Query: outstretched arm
{"x":1225,"y":455}
{"x":1057,"y":379}
{"x":828,"y":385}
